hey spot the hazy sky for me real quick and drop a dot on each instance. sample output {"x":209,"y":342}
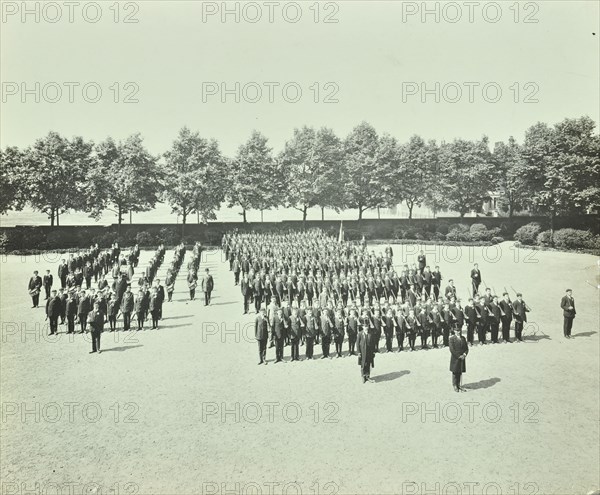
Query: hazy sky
{"x":376,"y":55}
{"x":372,"y":64}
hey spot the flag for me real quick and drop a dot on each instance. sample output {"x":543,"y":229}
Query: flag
{"x":341,"y":236}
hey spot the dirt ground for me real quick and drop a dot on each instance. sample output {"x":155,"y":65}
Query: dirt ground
{"x":185,"y":408}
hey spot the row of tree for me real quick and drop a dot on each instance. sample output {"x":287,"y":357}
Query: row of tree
{"x":556,"y":170}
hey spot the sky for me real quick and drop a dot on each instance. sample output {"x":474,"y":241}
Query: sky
{"x":443,"y":70}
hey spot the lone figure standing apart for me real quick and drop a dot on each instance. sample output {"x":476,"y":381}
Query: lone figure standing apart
{"x":567,"y":304}
{"x":96,"y":321}
{"x":458,"y":356}
{"x":208,"y":285}
{"x":366,"y":356}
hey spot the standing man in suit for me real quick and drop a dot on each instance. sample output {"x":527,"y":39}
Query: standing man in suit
{"x":494,"y":319}
{"x":352,"y":332}
{"x":506,"y":316}
{"x":63,"y":271}
{"x":279,"y":332}
{"x":458,"y":356}
{"x":261,"y":333}
{"x":160,"y":295}
{"x":208,"y":284}
{"x":96,"y":321}
{"x":83,"y":309}
{"x":126,"y":306}
{"x":47,"y":283}
{"x":567,"y":304}
{"x":53,"y":310}
{"x":245,"y":287}
{"x":366,"y":357}
{"x":237,"y":268}
{"x":520,"y":310}
{"x":71,"y":312}
{"x":311,"y":333}
{"x":422,"y":261}
{"x":34,"y":286}
{"x":326,"y":332}
{"x":295,"y":334}
{"x":472,"y":317}
{"x":139,"y":306}
{"x":475,"y":278}
{"x":257,"y":292}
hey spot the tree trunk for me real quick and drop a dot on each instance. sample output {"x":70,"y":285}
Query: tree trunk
{"x":183,"y":219}
{"x":57,"y":219}
{"x":552,"y":216}
{"x":304,"y":211}
{"x":360,"y":212}
{"x":198,"y":217}
{"x":120,"y":214}
{"x":410,"y":210}
{"x":378,"y":213}
{"x":244,"y":215}
{"x":130,"y":221}
{"x":322,"y":213}
{"x":261,"y":215}
{"x":510,"y":209}
{"x":51,"y":217}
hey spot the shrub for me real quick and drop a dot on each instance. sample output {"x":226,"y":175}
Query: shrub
{"x":543,"y":239}
{"x":104,"y":240}
{"x":459,"y":227}
{"x":497,"y":239}
{"x":527,"y":234}
{"x":33,"y":238}
{"x":354,"y":234}
{"x":458,"y":232}
{"x":144,"y":238}
{"x":443,"y":228}
{"x":594,"y":243}
{"x":438,"y":236}
{"x":4,"y":243}
{"x":572,"y":238}
{"x":479,"y":232}
{"x":169,"y":236}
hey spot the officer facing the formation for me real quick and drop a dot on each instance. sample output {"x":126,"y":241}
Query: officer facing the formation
{"x":208,"y":284}
{"x":475,"y":278}
{"x":366,"y":356}
{"x":458,"y":356}
{"x":567,"y":304}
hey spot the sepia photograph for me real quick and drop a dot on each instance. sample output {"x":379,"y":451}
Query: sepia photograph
{"x":300,"y":247}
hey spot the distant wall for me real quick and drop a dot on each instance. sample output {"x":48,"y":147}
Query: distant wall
{"x":46,"y":237}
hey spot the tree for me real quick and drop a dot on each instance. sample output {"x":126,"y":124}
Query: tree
{"x":12,"y":196}
{"x":436,"y":185}
{"x":256,"y":178}
{"x":127,"y":178}
{"x":365,"y":171}
{"x":414,"y":174}
{"x":466,"y":170}
{"x":54,"y":175}
{"x":194,"y":172}
{"x":560,"y":169}
{"x":312,"y":161}
{"x":507,"y":163}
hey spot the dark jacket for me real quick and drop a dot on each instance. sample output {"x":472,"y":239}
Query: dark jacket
{"x":567,"y":304}
{"x":458,"y":346}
